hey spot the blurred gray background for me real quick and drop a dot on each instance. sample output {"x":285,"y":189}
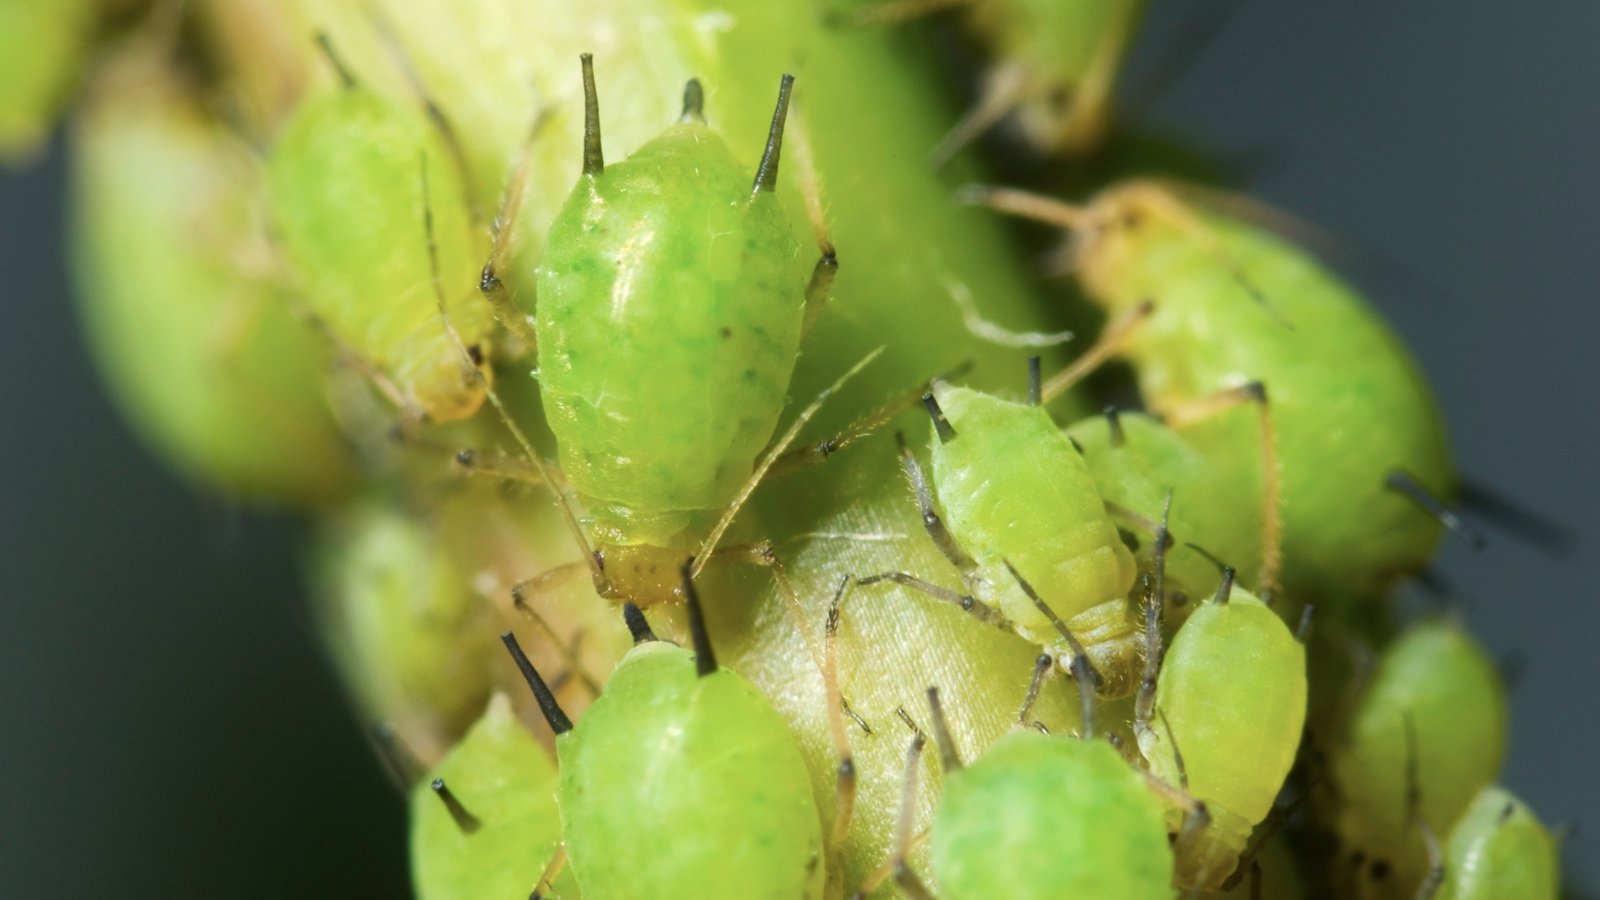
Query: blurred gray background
{"x":168,"y":726}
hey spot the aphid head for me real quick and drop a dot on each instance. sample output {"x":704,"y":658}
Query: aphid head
{"x":439,"y":382}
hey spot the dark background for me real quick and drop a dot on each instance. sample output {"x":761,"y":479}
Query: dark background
{"x":168,"y":726}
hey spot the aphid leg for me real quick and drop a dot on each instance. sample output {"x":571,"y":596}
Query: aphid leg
{"x":602,"y":584}
{"x":544,"y":582}
{"x":827,"y":267}
{"x":511,"y":317}
{"x":1041,"y":668}
{"x":1154,"y":602}
{"x":948,"y":757}
{"x":1112,"y":339}
{"x":1003,"y":88}
{"x":1080,"y":659}
{"x":981,"y":611}
{"x":772,"y":455}
{"x":903,"y":875}
{"x":410,"y":412}
{"x":845,"y":774}
{"x":567,"y":652}
{"x":1403,"y":483}
{"x":541,"y":889}
{"x":497,"y":465}
{"x":1186,"y":414}
{"x":931,"y":521}
{"x":1432,"y":881}
{"x":763,"y":554}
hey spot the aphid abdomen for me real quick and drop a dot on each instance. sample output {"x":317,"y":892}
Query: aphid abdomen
{"x":1232,"y":701}
{"x":1500,"y":850}
{"x":347,"y":189}
{"x":670,"y":306}
{"x":676,"y":785}
{"x":1236,"y":304}
{"x":1014,"y":488}
{"x":1041,"y":817}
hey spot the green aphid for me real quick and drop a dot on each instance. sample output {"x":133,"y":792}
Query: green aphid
{"x":410,"y":634}
{"x":1038,"y":816}
{"x":682,"y":781}
{"x":1054,"y":64}
{"x":1234,"y":305}
{"x":177,"y":292}
{"x":1136,"y":462}
{"x":350,"y":209}
{"x":1500,"y":851}
{"x":1436,"y":683}
{"x":484,"y":821}
{"x":1017,"y":497}
{"x":43,"y":47}
{"x":1229,"y":708}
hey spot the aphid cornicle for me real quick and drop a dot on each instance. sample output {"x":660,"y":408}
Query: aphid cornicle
{"x":343,"y":179}
{"x":1434,"y":687}
{"x":485,"y":819}
{"x":1500,"y":850}
{"x":682,"y":781}
{"x":1228,"y":709}
{"x":671,"y":277}
{"x":1017,"y":497}
{"x":1234,"y":303}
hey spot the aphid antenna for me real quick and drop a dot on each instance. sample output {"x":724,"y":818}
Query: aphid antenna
{"x":1080,"y":658}
{"x":1004,"y":88}
{"x":772,"y":455}
{"x":949,"y":758}
{"x":638,"y":625}
{"x":325,"y":44}
{"x":845,"y":771}
{"x":592,"y":559}
{"x":466,"y":821}
{"x":1154,"y":605}
{"x":401,"y":765}
{"x":594,"y":159}
{"x":1035,"y":382}
{"x":568,"y":653}
{"x":1277,"y":819}
{"x":694,"y":102}
{"x":1113,"y":417}
{"x":1402,"y":482}
{"x":903,"y":876}
{"x":941,"y":425}
{"x":767,"y":172}
{"x":553,"y":713}
{"x":705,"y":659}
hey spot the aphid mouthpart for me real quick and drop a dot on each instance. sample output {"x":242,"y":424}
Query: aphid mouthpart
{"x":466,"y":821}
{"x":767,"y":171}
{"x":553,"y":713}
{"x":638,"y":626}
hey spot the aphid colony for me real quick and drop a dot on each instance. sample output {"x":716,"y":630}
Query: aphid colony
{"x":1181,"y":575}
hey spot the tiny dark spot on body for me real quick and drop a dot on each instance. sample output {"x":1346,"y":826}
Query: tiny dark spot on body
{"x":1178,"y":598}
{"x":726,"y":332}
{"x":475,"y":353}
{"x":1129,"y":539}
{"x":1379,"y":870}
{"x":1507,"y":813}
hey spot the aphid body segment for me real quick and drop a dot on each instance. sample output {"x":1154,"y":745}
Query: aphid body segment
{"x":1500,"y":850}
{"x":1015,"y":490}
{"x":43,"y":46}
{"x":1231,"y":702}
{"x":1039,"y":817}
{"x":490,"y":838}
{"x":677,"y":784}
{"x":670,"y":304}
{"x":1437,"y":683}
{"x":350,"y":204}
{"x":1136,"y":461}
{"x":1235,"y":304}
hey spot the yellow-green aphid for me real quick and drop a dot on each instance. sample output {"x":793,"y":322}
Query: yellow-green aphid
{"x":404,"y":624}
{"x":350,"y":211}
{"x":682,"y":781}
{"x":1038,"y":816}
{"x":1436,"y":678}
{"x":1016,"y":493}
{"x":671,"y":298}
{"x":1237,"y":304}
{"x":1136,"y":462}
{"x":484,"y":821}
{"x":43,"y":46}
{"x":1230,"y":705}
{"x":1500,"y":850}
{"x":178,"y":294}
